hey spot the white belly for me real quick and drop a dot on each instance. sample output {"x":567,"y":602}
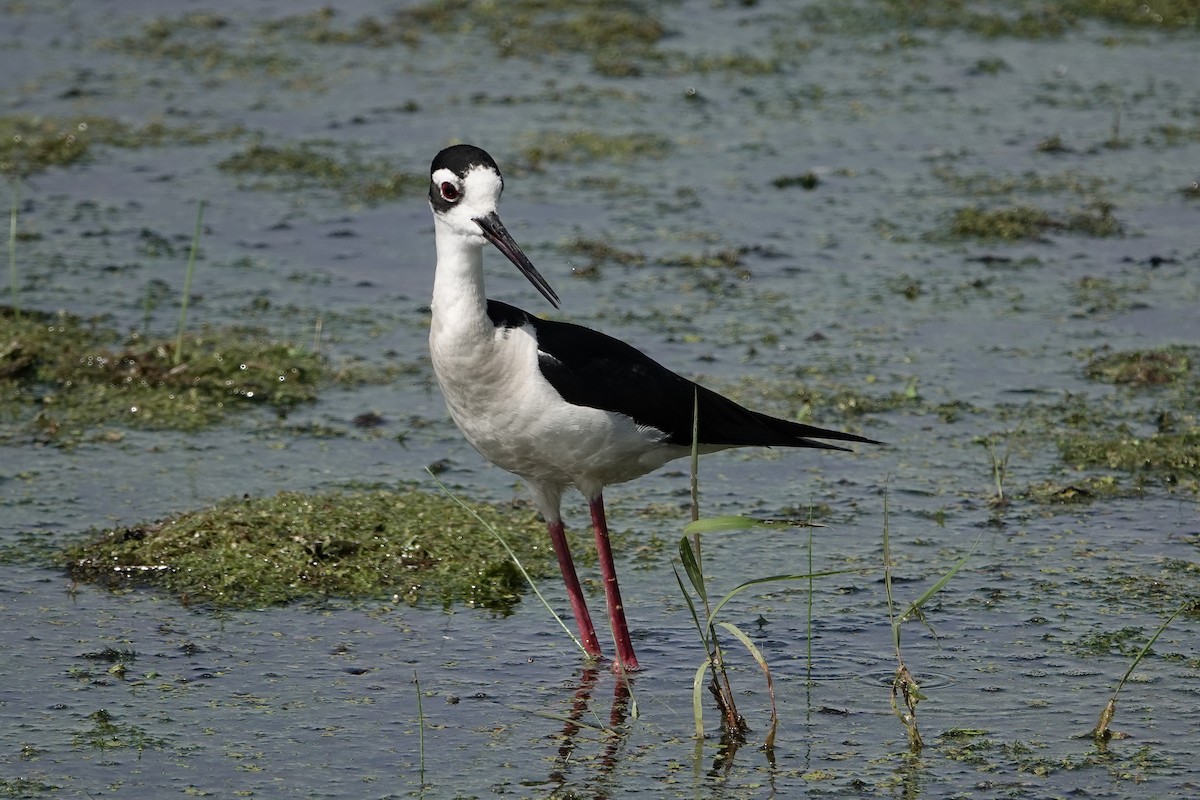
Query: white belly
{"x":510,"y":414}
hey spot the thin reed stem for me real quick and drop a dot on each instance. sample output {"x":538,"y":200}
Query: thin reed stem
{"x":723,"y":695}
{"x":811,"y":579}
{"x":516,"y":561}
{"x":1101,"y":732}
{"x":420,"y":727}
{"x":12,"y":254}
{"x":187,"y":286}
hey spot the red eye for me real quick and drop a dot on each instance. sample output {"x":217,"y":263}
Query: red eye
{"x":450,"y":191}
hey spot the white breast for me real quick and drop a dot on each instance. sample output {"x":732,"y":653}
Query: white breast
{"x":509,"y":412}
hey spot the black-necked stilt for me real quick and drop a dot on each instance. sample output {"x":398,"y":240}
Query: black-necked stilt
{"x":558,"y":404}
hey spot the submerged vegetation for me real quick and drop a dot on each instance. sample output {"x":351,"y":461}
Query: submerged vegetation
{"x":294,"y":166}
{"x":807,"y":393}
{"x":597,"y":253}
{"x":193,"y":41}
{"x":31,"y":144}
{"x":1080,"y":491}
{"x":1149,"y":429}
{"x":989,"y":184}
{"x":1014,"y":223}
{"x":1175,"y":457}
{"x":1058,"y":555}
{"x":1141,"y":368}
{"x":583,"y":145}
{"x":624,"y":38}
{"x":322,"y":26}
{"x":255,"y":552}
{"x":994,"y":20}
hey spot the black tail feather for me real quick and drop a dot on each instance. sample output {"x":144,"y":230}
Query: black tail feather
{"x":724,"y":422}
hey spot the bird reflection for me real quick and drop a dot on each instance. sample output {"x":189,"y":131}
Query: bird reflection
{"x":572,"y":753}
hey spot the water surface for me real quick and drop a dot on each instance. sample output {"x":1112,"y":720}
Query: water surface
{"x":902,"y":124}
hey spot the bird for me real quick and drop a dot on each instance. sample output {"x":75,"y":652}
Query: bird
{"x":558,"y":404}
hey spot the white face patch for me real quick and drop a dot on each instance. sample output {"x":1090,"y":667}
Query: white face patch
{"x":482,"y":188}
{"x":465,"y":199}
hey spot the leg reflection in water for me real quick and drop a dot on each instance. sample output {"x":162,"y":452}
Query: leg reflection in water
{"x":583,"y":724}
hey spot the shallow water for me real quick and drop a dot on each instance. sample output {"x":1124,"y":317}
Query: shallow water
{"x":319,"y":701}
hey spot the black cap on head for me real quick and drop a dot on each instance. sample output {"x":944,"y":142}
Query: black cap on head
{"x":460,"y":158}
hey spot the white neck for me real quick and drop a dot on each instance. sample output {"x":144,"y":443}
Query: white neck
{"x":459,"y":303}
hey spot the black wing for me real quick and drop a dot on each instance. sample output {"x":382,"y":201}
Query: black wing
{"x":592,"y":369}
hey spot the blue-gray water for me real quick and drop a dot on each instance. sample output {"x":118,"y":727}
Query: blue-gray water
{"x":320,"y":701}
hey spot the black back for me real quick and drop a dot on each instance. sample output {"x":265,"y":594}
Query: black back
{"x":592,"y":369}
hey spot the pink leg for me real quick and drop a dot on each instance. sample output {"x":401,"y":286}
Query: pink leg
{"x":608,"y":571}
{"x":583,"y":620}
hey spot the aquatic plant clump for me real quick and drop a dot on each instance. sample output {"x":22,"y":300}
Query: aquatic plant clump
{"x":66,"y":375}
{"x":255,"y":552}
{"x":299,"y":165}
{"x":579,"y":146}
{"x":1140,"y":368}
{"x":29,"y":145}
{"x":1170,"y":450}
{"x":1015,"y":223}
{"x":1173,"y":456}
{"x":32,"y":144}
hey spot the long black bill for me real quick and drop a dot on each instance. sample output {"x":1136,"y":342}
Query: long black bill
{"x":495,"y":232}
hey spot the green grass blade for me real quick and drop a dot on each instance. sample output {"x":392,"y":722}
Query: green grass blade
{"x":692,"y":567}
{"x":420,"y":727}
{"x":771,"y":579}
{"x":598,"y":727}
{"x":691,"y":606}
{"x":12,"y":254}
{"x":736,"y":522}
{"x":1150,"y":643}
{"x":809,"y":622}
{"x":887,"y":571}
{"x":698,"y":697}
{"x":187,"y":285}
{"x":741,"y":636}
{"x":757,"y":655}
{"x":914,"y":608}
{"x":1101,"y":733}
{"x":520,"y":567}
{"x":623,"y":677}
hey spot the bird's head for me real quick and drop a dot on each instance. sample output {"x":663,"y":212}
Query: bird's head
{"x":464,"y":193}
